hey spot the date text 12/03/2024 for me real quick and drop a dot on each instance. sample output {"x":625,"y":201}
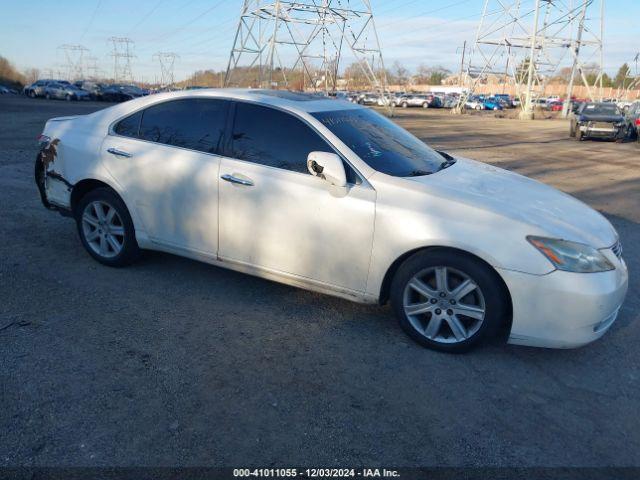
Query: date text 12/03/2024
{"x":315,"y":472}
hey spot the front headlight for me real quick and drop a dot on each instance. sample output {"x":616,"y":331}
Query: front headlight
{"x":571,"y":256}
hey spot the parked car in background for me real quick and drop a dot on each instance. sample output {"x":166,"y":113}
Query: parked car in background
{"x":505,"y":100}
{"x":93,"y":88}
{"x":368,"y":98}
{"x":122,"y":93}
{"x":632,"y":120}
{"x":474,"y":103}
{"x":598,"y":120}
{"x":492,"y":103}
{"x":450,"y":101}
{"x":460,"y":248}
{"x":36,"y":89}
{"x":4,"y":90}
{"x":415,"y":100}
{"x":64,"y":91}
{"x":556,"y":106}
{"x":540,"y":103}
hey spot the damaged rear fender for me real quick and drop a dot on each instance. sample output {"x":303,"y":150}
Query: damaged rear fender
{"x":54,"y":189}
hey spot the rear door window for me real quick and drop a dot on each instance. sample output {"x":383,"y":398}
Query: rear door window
{"x":193,"y":123}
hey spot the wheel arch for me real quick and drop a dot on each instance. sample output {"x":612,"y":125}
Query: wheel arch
{"x":385,"y":288}
{"x":81,"y":188}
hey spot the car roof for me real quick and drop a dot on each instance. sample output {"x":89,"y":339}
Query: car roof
{"x":294,"y":101}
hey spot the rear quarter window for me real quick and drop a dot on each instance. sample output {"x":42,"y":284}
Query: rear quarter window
{"x":129,"y":126}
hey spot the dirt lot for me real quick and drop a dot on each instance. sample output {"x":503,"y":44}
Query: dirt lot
{"x":172,"y":362}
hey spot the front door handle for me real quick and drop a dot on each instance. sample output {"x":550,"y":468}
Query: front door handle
{"x":239,"y":181}
{"x":119,"y":153}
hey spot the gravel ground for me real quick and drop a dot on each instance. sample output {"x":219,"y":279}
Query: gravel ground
{"x":177,"y":363}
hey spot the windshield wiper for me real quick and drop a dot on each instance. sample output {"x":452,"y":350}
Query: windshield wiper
{"x":448,"y":160}
{"x":445,"y":164}
{"x":417,"y":173}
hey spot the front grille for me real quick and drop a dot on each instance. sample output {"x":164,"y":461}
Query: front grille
{"x":617,"y":250}
{"x":603,"y":125}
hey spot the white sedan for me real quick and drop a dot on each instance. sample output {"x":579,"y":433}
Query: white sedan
{"x":330,"y":196}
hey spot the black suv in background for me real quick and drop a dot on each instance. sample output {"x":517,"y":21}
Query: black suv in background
{"x":598,"y":120}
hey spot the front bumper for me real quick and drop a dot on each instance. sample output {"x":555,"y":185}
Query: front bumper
{"x":563,"y":309}
{"x":600,"y":132}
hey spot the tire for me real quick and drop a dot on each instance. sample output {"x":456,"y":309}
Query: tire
{"x":32,"y":94}
{"x":121,"y":222}
{"x":579,"y":135}
{"x":488,"y":296}
{"x":47,"y":96}
{"x":425,"y":105}
{"x":478,"y":107}
{"x":404,"y":105}
{"x":68,"y":98}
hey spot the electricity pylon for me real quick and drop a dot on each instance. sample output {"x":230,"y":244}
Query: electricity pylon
{"x":167,"y":61}
{"x":75,"y":57}
{"x":524,"y":43}
{"x":122,"y":53}
{"x":276,"y":39}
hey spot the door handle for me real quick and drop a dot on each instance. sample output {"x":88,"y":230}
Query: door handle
{"x":119,"y":153}
{"x":239,"y":181}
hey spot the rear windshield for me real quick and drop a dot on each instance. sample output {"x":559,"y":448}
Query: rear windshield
{"x":382,"y":144}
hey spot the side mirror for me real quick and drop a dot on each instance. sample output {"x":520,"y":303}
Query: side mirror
{"x":327,"y":166}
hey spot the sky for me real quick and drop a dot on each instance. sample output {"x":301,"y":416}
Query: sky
{"x":201,"y":32}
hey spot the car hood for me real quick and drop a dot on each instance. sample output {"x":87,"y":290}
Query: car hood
{"x":522,"y":199}
{"x":602,"y":118}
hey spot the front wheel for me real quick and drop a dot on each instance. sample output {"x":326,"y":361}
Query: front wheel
{"x":405,"y":104}
{"x":68,"y":98}
{"x":448,"y":301}
{"x":106,"y":229}
{"x":425,"y":105}
{"x":478,"y":107}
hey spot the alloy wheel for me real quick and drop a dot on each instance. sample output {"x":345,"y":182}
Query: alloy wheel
{"x":103,"y":229}
{"x":444,"y":305}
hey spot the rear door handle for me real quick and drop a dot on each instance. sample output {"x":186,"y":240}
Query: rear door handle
{"x":119,"y":153}
{"x":239,"y":181}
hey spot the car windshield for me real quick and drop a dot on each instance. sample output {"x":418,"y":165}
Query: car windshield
{"x":601,"y":109}
{"x":382,"y":144}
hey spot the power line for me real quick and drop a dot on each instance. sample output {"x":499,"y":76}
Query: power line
{"x":93,"y":15}
{"x":145,"y":17}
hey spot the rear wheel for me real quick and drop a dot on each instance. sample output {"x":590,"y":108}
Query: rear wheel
{"x":425,"y":105}
{"x":405,"y":104}
{"x":447,"y":301}
{"x":106,"y":229}
{"x":47,"y":96}
{"x":68,"y":98}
